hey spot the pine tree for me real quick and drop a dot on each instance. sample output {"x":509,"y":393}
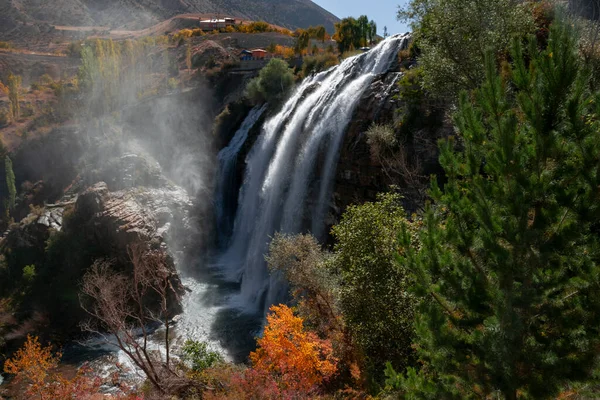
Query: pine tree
{"x":508,"y":268}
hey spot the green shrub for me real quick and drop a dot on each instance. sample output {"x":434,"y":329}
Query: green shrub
{"x":454,"y":36}
{"x":272,"y":84}
{"x":173,"y":83}
{"x":381,"y":139}
{"x":74,"y":49}
{"x":374,"y":296}
{"x":29,"y":273}
{"x":417,"y":108}
{"x":199,"y":356}
{"x":5,"y":45}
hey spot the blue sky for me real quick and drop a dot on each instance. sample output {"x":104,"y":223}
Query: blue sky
{"x":382,"y":11}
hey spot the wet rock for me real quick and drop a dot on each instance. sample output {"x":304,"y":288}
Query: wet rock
{"x":119,"y":220}
{"x":360,"y":177}
{"x":127,"y":171}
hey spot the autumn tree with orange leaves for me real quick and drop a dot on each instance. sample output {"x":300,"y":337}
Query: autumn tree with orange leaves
{"x":297,"y":358}
{"x":291,"y":362}
{"x":35,"y":366}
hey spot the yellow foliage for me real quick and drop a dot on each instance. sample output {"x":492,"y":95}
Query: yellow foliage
{"x":297,"y":357}
{"x":183,"y":34}
{"x":284,"y":51}
{"x":32,"y":362}
{"x":35,"y":365}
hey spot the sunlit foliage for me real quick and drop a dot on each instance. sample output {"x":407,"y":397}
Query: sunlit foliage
{"x":454,"y":36}
{"x":297,"y":357}
{"x":14,"y":88}
{"x":35,"y":366}
{"x":374,"y":291}
{"x":272,"y":84}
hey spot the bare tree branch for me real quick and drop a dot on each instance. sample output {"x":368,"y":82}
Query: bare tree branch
{"x":123,"y":306}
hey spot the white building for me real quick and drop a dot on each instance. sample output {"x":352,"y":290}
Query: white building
{"x":216,"y":23}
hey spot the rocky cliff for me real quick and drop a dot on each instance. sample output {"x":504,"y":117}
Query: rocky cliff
{"x":361,"y":175}
{"x":63,"y":239}
{"x":91,"y":192}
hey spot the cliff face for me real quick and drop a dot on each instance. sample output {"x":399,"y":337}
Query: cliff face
{"x":90,"y":193}
{"x":359,"y":178}
{"x":63,"y":239}
{"x":360,"y":175}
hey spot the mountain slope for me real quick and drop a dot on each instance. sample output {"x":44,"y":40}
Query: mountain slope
{"x":136,"y":14}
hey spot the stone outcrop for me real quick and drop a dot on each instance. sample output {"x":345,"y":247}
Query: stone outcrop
{"x":63,"y":239}
{"x":359,"y":176}
{"x":115,"y":221}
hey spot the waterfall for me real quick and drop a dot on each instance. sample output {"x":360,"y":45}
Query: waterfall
{"x":290,"y":170}
{"x":226,"y":182}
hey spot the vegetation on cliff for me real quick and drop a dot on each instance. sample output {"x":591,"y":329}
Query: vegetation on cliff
{"x":273,"y":83}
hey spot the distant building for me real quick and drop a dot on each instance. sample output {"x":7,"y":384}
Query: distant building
{"x":259,"y":53}
{"x":245,"y":55}
{"x":216,"y":23}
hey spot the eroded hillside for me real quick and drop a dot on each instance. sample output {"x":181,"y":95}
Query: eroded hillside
{"x":32,"y":15}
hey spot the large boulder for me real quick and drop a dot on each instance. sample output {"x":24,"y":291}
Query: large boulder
{"x":62,"y":240}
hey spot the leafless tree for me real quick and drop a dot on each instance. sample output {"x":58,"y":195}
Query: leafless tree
{"x":397,"y":159}
{"x":123,"y":306}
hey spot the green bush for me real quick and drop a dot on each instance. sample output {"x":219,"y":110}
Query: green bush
{"x":382,"y":141}
{"x":454,"y":36}
{"x":29,"y":273}
{"x":374,"y":290}
{"x":173,"y":83}
{"x":272,"y":84}
{"x":74,"y":49}
{"x":199,"y":356}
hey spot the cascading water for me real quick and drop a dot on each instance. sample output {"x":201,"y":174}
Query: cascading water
{"x":226,"y":182}
{"x":284,"y":188}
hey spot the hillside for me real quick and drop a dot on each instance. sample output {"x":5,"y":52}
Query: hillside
{"x":26,"y":15}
